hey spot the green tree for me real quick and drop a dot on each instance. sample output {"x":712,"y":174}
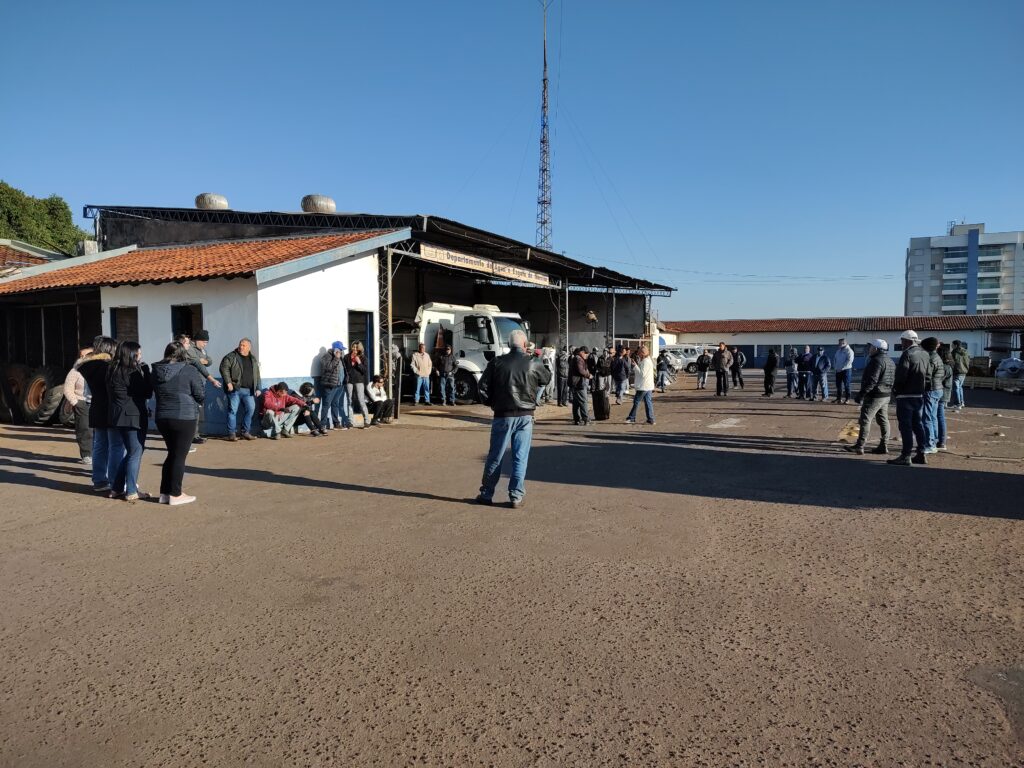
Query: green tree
{"x":45,"y":222}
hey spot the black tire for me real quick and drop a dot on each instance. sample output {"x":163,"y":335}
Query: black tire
{"x":466,"y":390}
{"x":42,"y":394}
{"x":691,"y":368}
{"x":12,"y":384}
{"x":65,"y":415}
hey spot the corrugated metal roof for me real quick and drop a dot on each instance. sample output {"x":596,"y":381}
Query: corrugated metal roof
{"x":847,"y":324}
{"x":188,"y":262}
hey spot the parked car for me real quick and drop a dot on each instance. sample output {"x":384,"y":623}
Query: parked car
{"x":687,"y":354}
{"x":1010,"y":368}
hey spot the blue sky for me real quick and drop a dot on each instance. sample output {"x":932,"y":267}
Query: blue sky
{"x":806,"y":139}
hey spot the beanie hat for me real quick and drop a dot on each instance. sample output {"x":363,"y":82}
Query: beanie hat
{"x":338,"y":345}
{"x":201,"y":336}
{"x":909,"y":336}
{"x":930,"y":344}
{"x":881,"y":344}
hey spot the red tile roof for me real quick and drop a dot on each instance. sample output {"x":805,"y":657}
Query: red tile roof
{"x":12,"y":257}
{"x":846,"y":324}
{"x":187,"y":262}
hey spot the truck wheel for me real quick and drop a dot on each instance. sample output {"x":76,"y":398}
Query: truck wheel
{"x":13,"y":382}
{"x":691,"y":368}
{"x":41,"y":396}
{"x":466,"y":391}
{"x":66,"y":413}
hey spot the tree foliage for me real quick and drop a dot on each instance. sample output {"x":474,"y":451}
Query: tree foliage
{"x":45,"y":222}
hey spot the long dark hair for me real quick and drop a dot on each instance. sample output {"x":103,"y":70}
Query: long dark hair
{"x":175,"y":352}
{"x":126,"y":358}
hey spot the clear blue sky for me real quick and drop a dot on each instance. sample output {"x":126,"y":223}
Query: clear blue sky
{"x":792,"y":138}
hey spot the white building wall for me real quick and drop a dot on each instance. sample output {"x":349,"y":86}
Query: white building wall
{"x":301,"y":315}
{"x":229,"y":313}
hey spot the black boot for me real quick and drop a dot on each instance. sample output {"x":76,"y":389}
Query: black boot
{"x":857,"y":448}
{"x":880,"y":449}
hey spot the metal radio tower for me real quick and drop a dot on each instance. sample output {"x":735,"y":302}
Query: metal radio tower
{"x":544,"y":178}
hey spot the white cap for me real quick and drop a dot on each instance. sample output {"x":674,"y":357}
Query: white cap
{"x":909,"y":336}
{"x":881,"y":344}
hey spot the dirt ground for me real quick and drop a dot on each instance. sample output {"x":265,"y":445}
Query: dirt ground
{"x":726,"y":588}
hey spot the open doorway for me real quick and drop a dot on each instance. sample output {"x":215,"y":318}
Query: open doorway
{"x":360,"y":328}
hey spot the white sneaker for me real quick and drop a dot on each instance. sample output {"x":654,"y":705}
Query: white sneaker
{"x":177,"y":501}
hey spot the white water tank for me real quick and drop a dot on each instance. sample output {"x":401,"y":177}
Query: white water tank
{"x":211,"y":201}
{"x":318,"y":204}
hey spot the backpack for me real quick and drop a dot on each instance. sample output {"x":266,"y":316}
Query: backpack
{"x":604,"y":366}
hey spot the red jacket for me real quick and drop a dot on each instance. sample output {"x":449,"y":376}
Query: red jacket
{"x":277,"y":403}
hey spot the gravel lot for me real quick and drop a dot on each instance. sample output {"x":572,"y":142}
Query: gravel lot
{"x":726,"y":588}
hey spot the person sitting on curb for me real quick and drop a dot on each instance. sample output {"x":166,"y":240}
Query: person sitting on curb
{"x":280,"y":410}
{"x":381,"y":406}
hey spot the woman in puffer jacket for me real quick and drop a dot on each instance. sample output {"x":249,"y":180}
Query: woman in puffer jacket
{"x":180,"y":391}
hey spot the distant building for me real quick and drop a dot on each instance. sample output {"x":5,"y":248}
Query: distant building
{"x":965,"y":272}
{"x":981,"y":334}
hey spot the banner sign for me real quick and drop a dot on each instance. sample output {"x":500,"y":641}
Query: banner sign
{"x":477,"y":264}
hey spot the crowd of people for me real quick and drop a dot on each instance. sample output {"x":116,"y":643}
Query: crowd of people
{"x":583,"y":375}
{"x":110,"y":389}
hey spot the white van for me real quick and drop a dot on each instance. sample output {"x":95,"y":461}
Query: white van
{"x":688,"y":353}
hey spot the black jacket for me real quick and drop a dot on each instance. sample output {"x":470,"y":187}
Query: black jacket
{"x":331,"y":369}
{"x":446,"y":365}
{"x":878,"y":376}
{"x":703,"y":362}
{"x":355,"y":373}
{"x":231,"y":369}
{"x":94,"y":371}
{"x":936,"y":372}
{"x":912,"y":373}
{"x":510,"y":383}
{"x":772,"y":363}
{"x":180,"y":390}
{"x":128,"y":393}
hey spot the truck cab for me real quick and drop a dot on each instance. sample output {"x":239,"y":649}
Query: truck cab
{"x":477,"y":333}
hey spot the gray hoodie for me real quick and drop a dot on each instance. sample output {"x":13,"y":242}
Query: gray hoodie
{"x":180,"y":389}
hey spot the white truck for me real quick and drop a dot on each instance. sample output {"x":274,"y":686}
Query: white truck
{"x":477,"y":334}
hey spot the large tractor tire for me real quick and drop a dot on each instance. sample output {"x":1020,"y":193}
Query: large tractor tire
{"x":466,"y":390}
{"x":66,"y":413}
{"x":42,"y":394}
{"x":13,"y":379}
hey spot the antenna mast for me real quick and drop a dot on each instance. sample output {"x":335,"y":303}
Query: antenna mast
{"x":544,"y":177}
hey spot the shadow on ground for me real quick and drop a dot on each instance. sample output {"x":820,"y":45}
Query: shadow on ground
{"x":772,"y":469}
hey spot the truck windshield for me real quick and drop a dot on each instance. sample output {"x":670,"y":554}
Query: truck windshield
{"x":505,"y":326}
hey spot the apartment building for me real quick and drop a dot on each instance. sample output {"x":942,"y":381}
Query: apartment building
{"x":965,"y":272}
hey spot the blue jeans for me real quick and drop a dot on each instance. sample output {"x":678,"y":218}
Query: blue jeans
{"x":932,"y":405}
{"x":662,"y":379}
{"x":621,"y":388}
{"x":957,"y":399}
{"x":519,"y":431}
{"x":447,"y":389}
{"x":647,"y":397}
{"x":792,"y":380}
{"x":133,"y":442}
{"x":910,"y":415}
{"x":106,"y":457}
{"x":843,"y":379}
{"x":422,"y":385}
{"x":245,"y":397}
{"x":820,"y":380}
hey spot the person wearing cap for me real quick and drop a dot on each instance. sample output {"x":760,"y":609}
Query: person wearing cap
{"x":240,"y":371}
{"x":196,"y":356}
{"x":874,"y":396}
{"x":909,"y":386}
{"x":934,"y":409}
{"x":843,"y":364}
{"x":804,"y":369}
{"x":333,"y":398}
{"x":819,"y":372}
{"x":579,"y":386}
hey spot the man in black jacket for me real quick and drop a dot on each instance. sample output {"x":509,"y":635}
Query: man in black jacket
{"x":579,"y":386}
{"x":562,"y":380}
{"x":509,"y":386}
{"x":909,"y":387}
{"x":445,"y":367}
{"x":875,"y":393}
